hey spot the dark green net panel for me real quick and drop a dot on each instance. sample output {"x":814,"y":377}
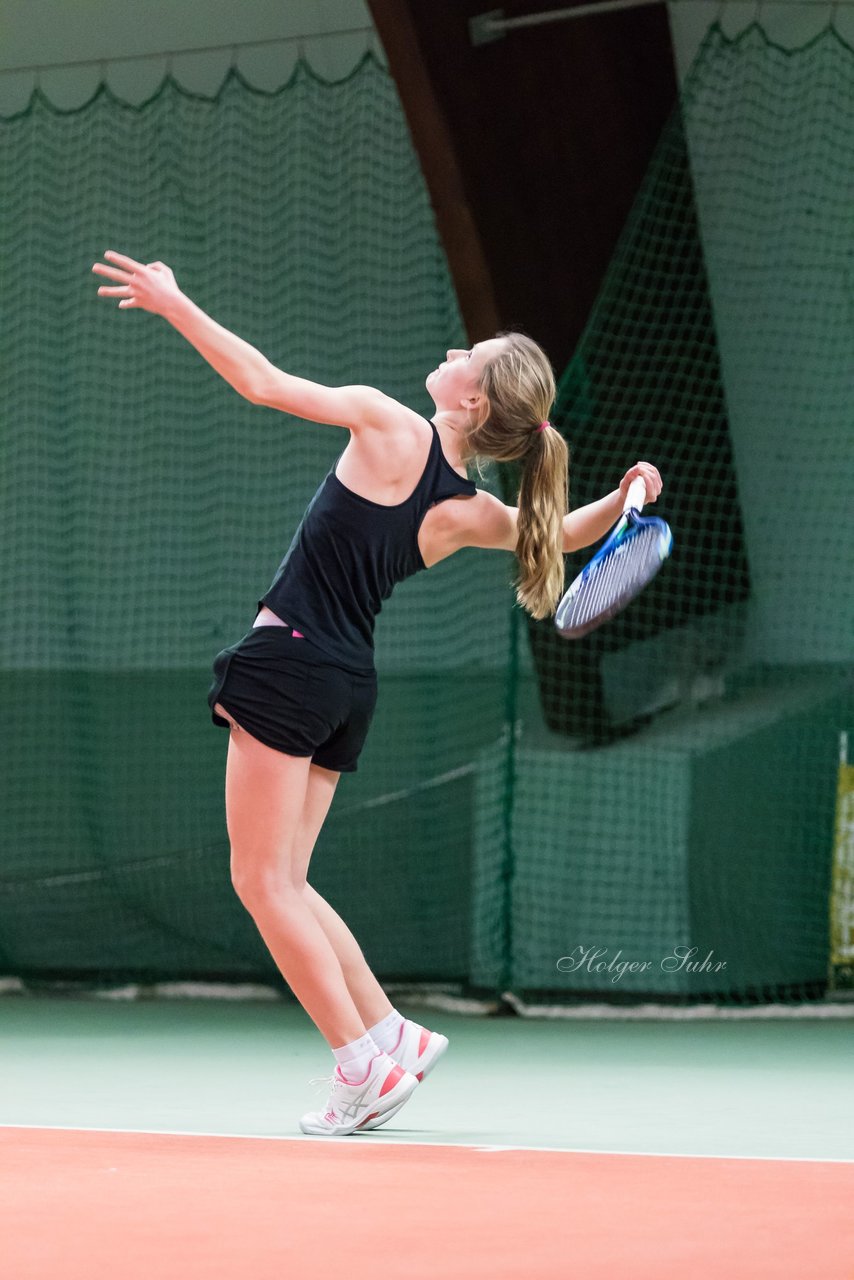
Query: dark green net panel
{"x":665,"y":783}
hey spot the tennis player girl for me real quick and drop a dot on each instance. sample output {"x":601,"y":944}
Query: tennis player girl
{"x":298,"y":691}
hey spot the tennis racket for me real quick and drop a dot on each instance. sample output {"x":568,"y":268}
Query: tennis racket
{"x":627,"y":561}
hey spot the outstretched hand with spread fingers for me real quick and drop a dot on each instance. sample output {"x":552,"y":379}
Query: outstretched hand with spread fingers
{"x":150,"y":286}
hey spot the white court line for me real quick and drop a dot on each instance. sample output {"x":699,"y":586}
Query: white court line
{"x":363,"y":1139}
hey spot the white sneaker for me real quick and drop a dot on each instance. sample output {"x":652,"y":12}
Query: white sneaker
{"x":352,"y":1106}
{"x":417,"y":1051}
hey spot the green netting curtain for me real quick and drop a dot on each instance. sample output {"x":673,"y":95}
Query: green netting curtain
{"x":721,"y":346}
{"x":147,"y":506}
{"x":671,"y":784}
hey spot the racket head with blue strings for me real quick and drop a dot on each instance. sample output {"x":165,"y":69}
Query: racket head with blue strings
{"x":627,"y":561}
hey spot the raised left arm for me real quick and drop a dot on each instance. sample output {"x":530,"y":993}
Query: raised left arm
{"x":353,"y":406}
{"x":152,"y":287}
{"x":258,"y":380}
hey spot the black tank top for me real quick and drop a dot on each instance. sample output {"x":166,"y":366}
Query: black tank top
{"x":347,"y":555}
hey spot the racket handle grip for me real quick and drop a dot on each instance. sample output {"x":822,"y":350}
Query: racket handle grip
{"x":636,"y":496}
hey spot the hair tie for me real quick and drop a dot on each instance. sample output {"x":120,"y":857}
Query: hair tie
{"x":543,"y":426}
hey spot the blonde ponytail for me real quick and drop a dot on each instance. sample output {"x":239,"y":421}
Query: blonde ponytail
{"x":542,"y":506}
{"x":519,"y":391}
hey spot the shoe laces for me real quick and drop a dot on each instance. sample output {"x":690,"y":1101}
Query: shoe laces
{"x":333,"y":1082}
{"x":324,"y":1082}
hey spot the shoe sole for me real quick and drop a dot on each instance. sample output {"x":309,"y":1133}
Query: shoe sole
{"x":392,"y":1101}
{"x":429,"y":1064}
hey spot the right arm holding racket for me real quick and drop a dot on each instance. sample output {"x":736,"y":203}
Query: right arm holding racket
{"x":586,"y":525}
{"x":627,"y":561}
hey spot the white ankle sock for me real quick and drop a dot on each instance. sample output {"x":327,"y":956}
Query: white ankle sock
{"x":354,"y":1059}
{"x":386,"y":1034}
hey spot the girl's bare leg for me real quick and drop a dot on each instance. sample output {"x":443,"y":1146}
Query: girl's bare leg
{"x":368,"y":996}
{"x":265,"y":794}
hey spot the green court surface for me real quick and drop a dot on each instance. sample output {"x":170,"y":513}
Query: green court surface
{"x":767,"y":1088}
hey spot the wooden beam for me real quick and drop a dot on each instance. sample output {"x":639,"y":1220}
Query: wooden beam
{"x":434,"y":146}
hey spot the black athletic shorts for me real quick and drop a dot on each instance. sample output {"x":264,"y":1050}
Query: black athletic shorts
{"x":290,"y":696}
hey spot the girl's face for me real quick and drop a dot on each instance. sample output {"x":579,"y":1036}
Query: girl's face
{"x":455,"y":384}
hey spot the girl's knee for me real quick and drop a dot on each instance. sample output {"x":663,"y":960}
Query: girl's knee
{"x":255,"y":886}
